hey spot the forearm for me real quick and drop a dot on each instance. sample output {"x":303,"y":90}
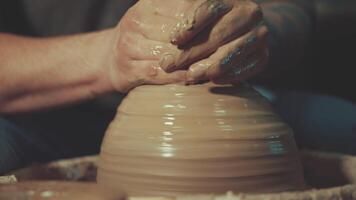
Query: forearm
{"x":291,"y":25}
{"x":42,"y":73}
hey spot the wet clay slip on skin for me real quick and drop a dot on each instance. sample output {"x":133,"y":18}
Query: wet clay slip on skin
{"x":175,"y":140}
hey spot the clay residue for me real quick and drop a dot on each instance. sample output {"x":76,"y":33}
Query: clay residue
{"x":56,"y":190}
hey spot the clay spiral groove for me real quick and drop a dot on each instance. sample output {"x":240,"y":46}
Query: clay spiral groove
{"x":171,"y":140}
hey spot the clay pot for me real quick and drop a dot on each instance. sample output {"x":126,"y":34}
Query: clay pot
{"x":173,"y":140}
{"x":54,"y":190}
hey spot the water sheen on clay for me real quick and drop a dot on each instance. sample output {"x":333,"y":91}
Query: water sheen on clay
{"x":174,"y":139}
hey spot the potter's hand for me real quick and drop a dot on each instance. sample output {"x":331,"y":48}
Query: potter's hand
{"x":220,"y":40}
{"x":140,"y":40}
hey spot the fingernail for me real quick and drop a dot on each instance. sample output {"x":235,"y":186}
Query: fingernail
{"x":166,"y":62}
{"x":174,"y":41}
{"x":179,"y":31}
{"x":175,"y":33}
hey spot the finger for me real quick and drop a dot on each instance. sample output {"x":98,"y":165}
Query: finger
{"x":228,"y":56}
{"x":137,"y":47}
{"x":148,"y":72}
{"x":230,"y":27}
{"x":254,"y":65}
{"x":203,"y":13}
{"x":164,"y":78}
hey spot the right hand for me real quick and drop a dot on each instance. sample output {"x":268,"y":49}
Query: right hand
{"x":223,"y":41}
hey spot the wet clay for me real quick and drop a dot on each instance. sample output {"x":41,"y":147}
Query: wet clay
{"x":174,"y":139}
{"x":53,"y":190}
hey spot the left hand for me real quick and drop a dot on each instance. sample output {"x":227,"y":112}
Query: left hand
{"x":219,"y":40}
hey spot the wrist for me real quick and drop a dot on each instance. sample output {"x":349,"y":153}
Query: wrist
{"x":101,"y":58}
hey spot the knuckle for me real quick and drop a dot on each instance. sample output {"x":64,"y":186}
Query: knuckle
{"x":255,"y":11}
